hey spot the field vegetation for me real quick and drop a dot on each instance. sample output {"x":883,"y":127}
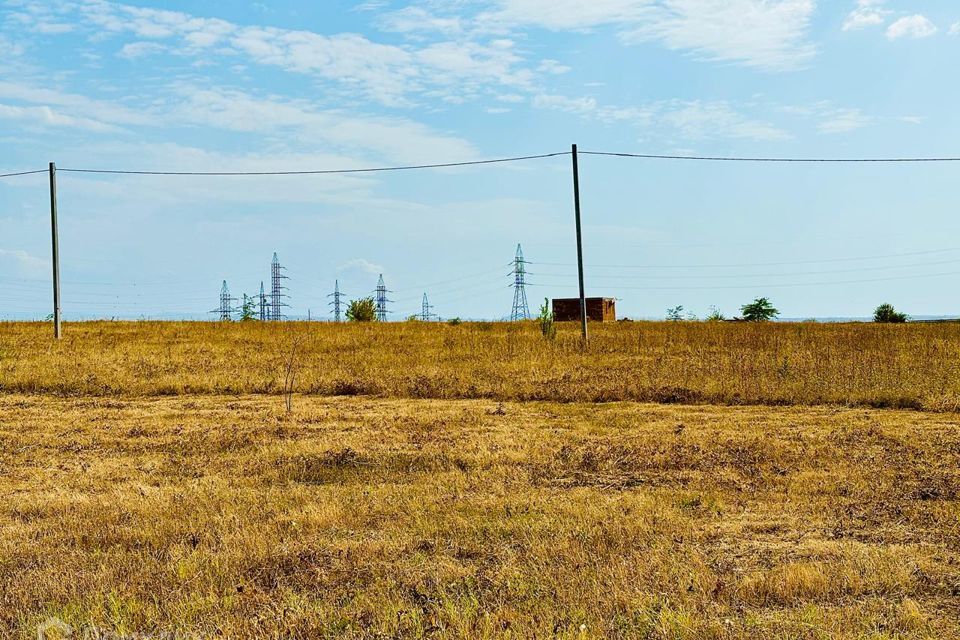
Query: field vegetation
{"x":876,"y":365}
{"x":420,"y":480}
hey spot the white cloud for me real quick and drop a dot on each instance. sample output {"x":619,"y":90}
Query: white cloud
{"x":766,"y":34}
{"x":915,"y":26}
{"x":387,"y":73}
{"x":843,"y":121}
{"x":412,"y":19}
{"x":552,"y":67}
{"x":77,"y":105}
{"x":700,"y":120}
{"x":24,"y":264}
{"x":769,"y":34}
{"x":955,"y":29}
{"x":361,"y":266}
{"x":462,"y":63}
{"x":563,"y":15}
{"x":693,"y":120}
{"x":52,"y":27}
{"x":869,"y":13}
{"x":9,"y":49}
{"x":579,"y":106}
{"x":373,"y":138}
{"x":134,"y":50}
{"x":46,"y":117}
{"x":388,"y":138}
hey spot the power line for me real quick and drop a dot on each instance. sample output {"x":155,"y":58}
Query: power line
{"x":22,"y":173}
{"x":746,"y":264}
{"x":749,"y":275}
{"x":441,"y":165}
{"x":774,"y":286}
{"x":651,"y":156}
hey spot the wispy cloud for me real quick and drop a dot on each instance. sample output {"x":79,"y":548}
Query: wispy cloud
{"x":23,"y":263}
{"x":758,"y":33}
{"x":691,"y":120}
{"x":581,"y":106}
{"x":701,"y":120}
{"x":387,"y":73}
{"x":366,"y":137}
{"x":768,"y":34}
{"x":868,"y":13}
{"x":360,"y":266}
{"x":843,"y":121}
{"x":915,"y":26}
{"x":134,"y":50}
{"x":45,"y":118}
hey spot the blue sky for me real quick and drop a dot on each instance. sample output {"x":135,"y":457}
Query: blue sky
{"x":213,"y":86}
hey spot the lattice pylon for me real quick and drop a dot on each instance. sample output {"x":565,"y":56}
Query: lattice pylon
{"x":381,"y":300}
{"x":337,"y":302}
{"x":521,"y":309}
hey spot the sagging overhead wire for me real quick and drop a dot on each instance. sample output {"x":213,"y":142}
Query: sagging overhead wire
{"x":22,"y":173}
{"x":746,"y":264}
{"x":313,"y":172}
{"x":656,"y":156}
{"x":777,"y":285}
{"x":728,"y":276}
{"x":442,"y":165}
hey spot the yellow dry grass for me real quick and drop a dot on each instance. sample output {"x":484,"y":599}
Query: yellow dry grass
{"x":906,"y":366}
{"x":151,"y":482}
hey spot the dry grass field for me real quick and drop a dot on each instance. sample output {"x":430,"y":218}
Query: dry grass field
{"x":677,"y":481}
{"x":900,"y":366}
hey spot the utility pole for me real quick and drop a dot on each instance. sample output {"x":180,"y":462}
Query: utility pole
{"x":55,"y":238}
{"x":576,"y":207}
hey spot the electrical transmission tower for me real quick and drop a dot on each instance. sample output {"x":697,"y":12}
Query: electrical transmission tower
{"x":226,"y":309}
{"x":521,"y":310}
{"x":262,"y":300}
{"x":336,"y":302}
{"x":381,"y":300}
{"x":277,"y":289}
{"x":426,"y":313}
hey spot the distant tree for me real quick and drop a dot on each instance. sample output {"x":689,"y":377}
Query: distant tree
{"x":675,"y":314}
{"x":362,"y":310}
{"x":248,"y":310}
{"x":886,"y":313}
{"x":715,"y":315}
{"x":760,"y":310}
{"x":453,"y":322}
{"x":547,"y":328}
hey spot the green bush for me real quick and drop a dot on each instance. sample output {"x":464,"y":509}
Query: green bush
{"x":362,"y":310}
{"x":886,"y":313}
{"x":760,"y":310}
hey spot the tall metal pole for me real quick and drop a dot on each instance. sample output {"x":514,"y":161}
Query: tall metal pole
{"x":56,"y":250}
{"x":576,"y":206}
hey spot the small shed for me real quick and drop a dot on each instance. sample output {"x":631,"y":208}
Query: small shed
{"x":598,"y":309}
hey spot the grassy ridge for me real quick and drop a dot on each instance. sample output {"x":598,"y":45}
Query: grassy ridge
{"x":396,"y":518}
{"x":911,"y":366}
